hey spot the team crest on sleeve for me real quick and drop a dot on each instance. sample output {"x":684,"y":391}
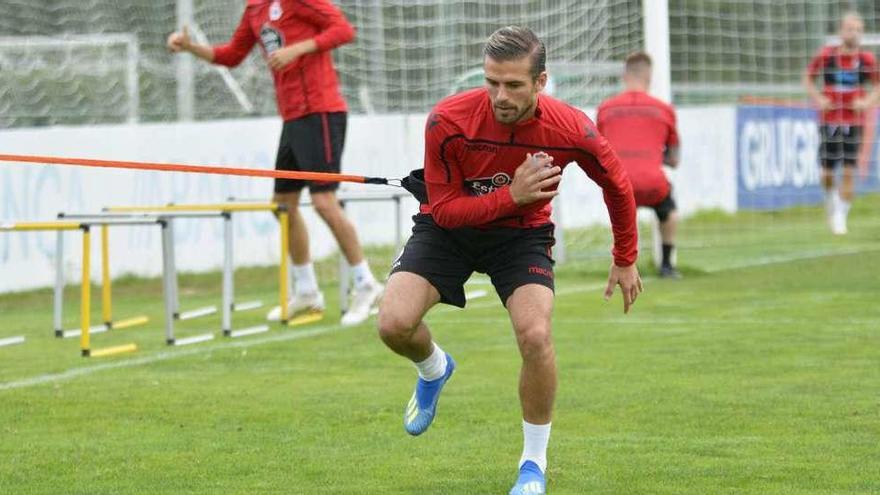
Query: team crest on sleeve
{"x":275,"y":10}
{"x":485,"y":185}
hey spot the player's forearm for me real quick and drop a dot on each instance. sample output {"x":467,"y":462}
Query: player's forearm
{"x":204,"y":52}
{"x":622,"y":213}
{"x":618,"y":194}
{"x":305,"y":47}
{"x":473,"y":211}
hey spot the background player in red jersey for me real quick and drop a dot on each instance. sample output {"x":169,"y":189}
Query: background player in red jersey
{"x":493,"y":158}
{"x":296,"y":38}
{"x":642,"y":131}
{"x":846,"y":70}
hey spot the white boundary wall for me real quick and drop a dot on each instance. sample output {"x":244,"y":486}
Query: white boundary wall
{"x":376,"y":145}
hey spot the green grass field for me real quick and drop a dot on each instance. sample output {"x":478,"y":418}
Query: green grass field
{"x":756,"y":374}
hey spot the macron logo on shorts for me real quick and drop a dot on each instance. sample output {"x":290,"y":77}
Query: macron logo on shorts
{"x":537,"y":270}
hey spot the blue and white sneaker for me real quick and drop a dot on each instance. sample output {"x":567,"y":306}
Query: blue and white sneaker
{"x":530,"y":481}
{"x":422,"y":407}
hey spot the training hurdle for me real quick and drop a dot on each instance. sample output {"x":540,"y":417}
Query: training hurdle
{"x":170,"y":282}
{"x":85,"y":283}
{"x":106,"y":297}
{"x":344,"y":198}
{"x":226,"y":210}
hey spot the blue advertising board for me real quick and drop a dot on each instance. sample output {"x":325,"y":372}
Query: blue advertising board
{"x":778,"y":158}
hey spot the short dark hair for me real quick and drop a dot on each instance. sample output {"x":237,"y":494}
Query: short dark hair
{"x":514,"y":43}
{"x":637,"y":62}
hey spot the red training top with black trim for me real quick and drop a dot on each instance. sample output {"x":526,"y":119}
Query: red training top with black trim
{"x":640,"y":128}
{"x":309,"y":84}
{"x":470,"y":160}
{"x":844,"y":77}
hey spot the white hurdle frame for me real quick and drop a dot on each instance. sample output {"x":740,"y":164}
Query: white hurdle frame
{"x":58,"y":296}
{"x":170,"y":280}
{"x":345,"y":197}
{"x":228,"y":305}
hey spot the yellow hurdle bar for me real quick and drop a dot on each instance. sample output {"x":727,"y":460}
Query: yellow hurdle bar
{"x":197,"y":207}
{"x":130,"y":322}
{"x":106,"y":298}
{"x":20,"y":226}
{"x":283,"y":217}
{"x":85,"y":293}
{"x":110,"y":351}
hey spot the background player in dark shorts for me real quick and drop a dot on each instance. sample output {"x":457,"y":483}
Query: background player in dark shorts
{"x":840,"y":145}
{"x":296,"y":39}
{"x":846,"y":70}
{"x":311,"y":144}
{"x":642,"y":130}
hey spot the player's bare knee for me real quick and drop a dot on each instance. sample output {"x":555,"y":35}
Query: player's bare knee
{"x":534,"y":342}
{"x":327,"y":210}
{"x":394,"y":324}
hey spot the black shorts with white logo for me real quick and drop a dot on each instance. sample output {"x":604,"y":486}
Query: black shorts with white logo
{"x":840,"y":144}
{"x":312,"y":143}
{"x":447,"y":257}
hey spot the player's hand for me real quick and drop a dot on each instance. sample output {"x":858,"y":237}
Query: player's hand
{"x":179,"y":41}
{"x":824,"y":102}
{"x":627,"y":277}
{"x":861,"y":104}
{"x":534,"y":175}
{"x":283,"y":57}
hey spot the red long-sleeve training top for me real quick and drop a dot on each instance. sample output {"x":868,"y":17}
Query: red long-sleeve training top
{"x":309,"y":84}
{"x":470,"y":160}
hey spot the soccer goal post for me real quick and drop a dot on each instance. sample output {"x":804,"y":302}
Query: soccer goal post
{"x":49,"y":79}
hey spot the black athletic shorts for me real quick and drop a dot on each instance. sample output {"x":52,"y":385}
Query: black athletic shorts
{"x":840,"y":143}
{"x":664,"y":208}
{"x":312,"y":143}
{"x":447,"y":257}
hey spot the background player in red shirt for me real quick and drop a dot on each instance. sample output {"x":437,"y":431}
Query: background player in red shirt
{"x":297,"y":37}
{"x":493,"y":159}
{"x":642,"y":131}
{"x":845,"y":70}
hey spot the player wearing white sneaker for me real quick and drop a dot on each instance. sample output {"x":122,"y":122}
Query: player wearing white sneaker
{"x":300,"y":304}
{"x":846,"y":70}
{"x":366,"y":295}
{"x":296,"y":39}
{"x":364,"y":299}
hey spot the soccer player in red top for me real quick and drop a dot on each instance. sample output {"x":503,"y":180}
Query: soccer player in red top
{"x":642,"y":131}
{"x":493,"y":159}
{"x":296,"y":37}
{"x":846,"y":70}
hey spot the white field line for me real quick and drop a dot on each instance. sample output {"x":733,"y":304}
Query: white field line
{"x":326,"y":329}
{"x":647,"y":322}
{"x":193,"y":351}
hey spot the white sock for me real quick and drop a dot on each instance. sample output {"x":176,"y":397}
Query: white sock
{"x":362,"y":275}
{"x":433,"y":367}
{"x":831,"y":201}
{"x":535,"y":439}
{"x":290,"y":278}
{"x":844,"y":207}
{"x":306,"y":281}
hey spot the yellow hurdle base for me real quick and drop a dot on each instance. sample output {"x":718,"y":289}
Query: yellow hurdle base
{"x":110,"y":351}
{"x":130,"y":322}
{"x":305,"y":318}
